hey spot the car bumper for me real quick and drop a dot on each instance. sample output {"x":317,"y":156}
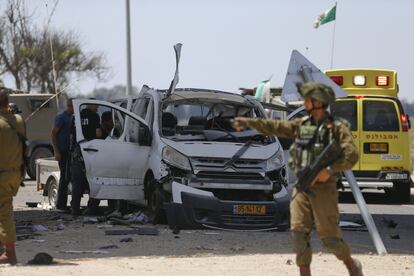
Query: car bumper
{"x":198,"y":211}
{"x":378,"y":179}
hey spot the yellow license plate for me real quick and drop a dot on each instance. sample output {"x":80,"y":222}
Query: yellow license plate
{"x":249,"y":209}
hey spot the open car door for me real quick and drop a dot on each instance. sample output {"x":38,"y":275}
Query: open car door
{"x":115,"y":166}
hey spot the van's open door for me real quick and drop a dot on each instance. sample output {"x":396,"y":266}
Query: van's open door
{"x":115,"y":166}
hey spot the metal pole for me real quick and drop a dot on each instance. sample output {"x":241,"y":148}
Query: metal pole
{"x":128,"y":49}
{"x":373,"y":231}
{"x":333,"y":39}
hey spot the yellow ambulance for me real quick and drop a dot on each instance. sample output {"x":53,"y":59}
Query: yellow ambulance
{"x":380,"y":129}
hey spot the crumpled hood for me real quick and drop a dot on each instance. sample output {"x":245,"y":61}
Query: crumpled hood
{"x":223,"y":149}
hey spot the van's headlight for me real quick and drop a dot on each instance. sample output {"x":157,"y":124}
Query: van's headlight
{"x":274,"y":163}
{"x":176,"y":159}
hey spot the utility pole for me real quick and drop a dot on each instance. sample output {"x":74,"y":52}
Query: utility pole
{"x":128,"y":49}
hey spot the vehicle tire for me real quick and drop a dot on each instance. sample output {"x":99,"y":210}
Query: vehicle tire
{"x":400,"y":192}
{"x":40,"y":152}
{"x":156,"y":198}
{"x":52,"y":191}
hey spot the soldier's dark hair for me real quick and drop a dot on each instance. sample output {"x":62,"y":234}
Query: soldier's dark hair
{"x":4,"y":97}
{"x":106,"y":116}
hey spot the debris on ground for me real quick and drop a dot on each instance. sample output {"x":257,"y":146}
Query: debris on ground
{"x":41,"y":259}
{"x":389,"y":223}
{"x":112,"y":246}
{"x":395,"y":237}
{"x":237,"y":249}
{"x":352,"y":226}
{"x":204,"y":248}
{"x":117,"y":221}
{"x":84,"y":252}
{"x":60,"y":227}
{"x":90,"y":220}
{"x":176,"y":230}
{"x":103,"y":226}
{"x":23,"y":237}
{"x":129,"y":239}
{"x":38,"y":241}
{"x":136,"y":231}
{"x":38,"y":228}
{"x":138,"y":217}
{"x":32,"y":204}
{"x":289,"y":262}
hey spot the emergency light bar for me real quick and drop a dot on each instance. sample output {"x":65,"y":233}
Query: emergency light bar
{"x":382,"y":80}
{"x":375,"y":82}
{"x":339,"y":80}
{"x":360,"y":80}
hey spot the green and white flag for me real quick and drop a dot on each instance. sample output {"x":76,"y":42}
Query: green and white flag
{"x":326,"y":17}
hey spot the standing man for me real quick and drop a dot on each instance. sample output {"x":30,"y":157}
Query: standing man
{"x":320,"y":207}
{"x":90,"y":123}
{"x":107,"y":124}
{"x":60,"y":142}
{"x":12,"y":130}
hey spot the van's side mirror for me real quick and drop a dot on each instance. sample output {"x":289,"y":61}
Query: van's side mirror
{"x":285,"y":143}
{"x":144,"y":136}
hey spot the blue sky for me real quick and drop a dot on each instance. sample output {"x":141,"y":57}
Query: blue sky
{"x":229,"y":44}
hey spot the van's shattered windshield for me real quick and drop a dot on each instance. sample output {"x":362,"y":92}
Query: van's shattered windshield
{"x":211,"y":121}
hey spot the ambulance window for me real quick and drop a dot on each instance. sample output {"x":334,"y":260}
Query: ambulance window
{"x":346,"y":110}
{"x":380,"y":116}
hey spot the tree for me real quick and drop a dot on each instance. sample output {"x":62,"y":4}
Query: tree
{"x":26,"y":53}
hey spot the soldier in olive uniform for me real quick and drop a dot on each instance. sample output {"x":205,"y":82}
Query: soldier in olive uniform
{"x":11,"y":160}
{"x":320,"y":207}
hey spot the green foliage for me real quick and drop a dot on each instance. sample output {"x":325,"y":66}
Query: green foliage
{"x":31,"y":54}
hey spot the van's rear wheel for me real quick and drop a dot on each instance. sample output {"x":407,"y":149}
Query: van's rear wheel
{"x":40,"y":152}
{"x":400,"y":192}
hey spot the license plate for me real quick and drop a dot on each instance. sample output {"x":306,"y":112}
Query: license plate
{"x":249,"y":209}
{"x":391,"y":176}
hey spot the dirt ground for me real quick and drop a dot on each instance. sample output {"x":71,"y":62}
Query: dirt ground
{"x":190,"y":252}
{"x":82,"y":248}
{"x":210,"y":264}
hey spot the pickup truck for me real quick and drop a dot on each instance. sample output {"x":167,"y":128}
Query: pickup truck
{"x":47,"y":179}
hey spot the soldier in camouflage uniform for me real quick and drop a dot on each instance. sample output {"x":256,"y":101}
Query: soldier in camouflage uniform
{"x":11,"y":160}
{"x":320,"y":207}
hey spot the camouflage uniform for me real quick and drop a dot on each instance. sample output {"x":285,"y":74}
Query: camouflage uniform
{"x":320,"y":208}
{"x":11,"y":159}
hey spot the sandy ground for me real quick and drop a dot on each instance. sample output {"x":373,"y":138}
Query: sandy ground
{"x":260,"y":264}
{"x":202,"y":252}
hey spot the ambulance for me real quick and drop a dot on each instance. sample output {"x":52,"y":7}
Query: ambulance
{"x":380,"y":129}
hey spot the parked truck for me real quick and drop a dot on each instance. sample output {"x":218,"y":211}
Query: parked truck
{"x":38,"y":112}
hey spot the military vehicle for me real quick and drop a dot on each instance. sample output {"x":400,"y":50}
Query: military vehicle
{"x":38,"y":112}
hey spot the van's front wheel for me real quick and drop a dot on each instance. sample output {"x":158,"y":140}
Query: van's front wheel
{"x":156,"y":198}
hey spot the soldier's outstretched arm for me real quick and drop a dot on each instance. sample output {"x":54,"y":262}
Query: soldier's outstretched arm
{"x":350,"y":152}
{"x":272,"y":127}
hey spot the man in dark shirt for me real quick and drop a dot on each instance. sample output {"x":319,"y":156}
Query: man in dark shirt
{"x":60,"y":142}
{"x":107,"y":124}
{"x":90,"y":123}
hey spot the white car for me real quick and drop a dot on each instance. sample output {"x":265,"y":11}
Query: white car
{"x":178,"y":153}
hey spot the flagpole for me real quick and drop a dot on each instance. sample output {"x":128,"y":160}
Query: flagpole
{"x":333,"y":38}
